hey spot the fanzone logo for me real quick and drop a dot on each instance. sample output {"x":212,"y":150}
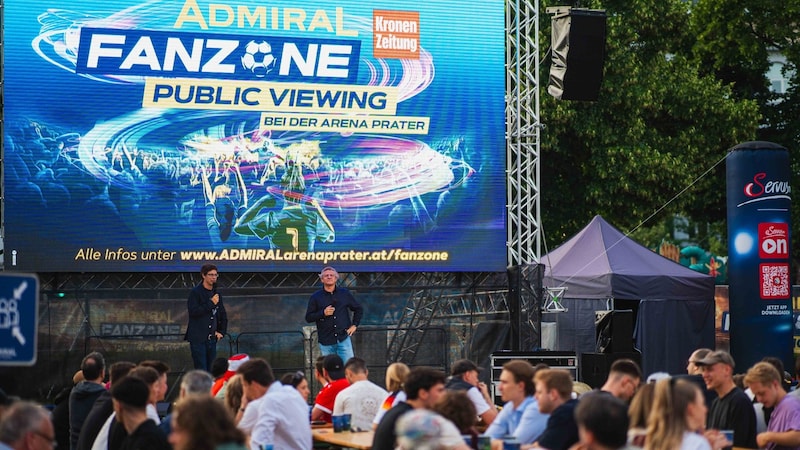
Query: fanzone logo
{"x":773,"y":240}
{"x":109,"y":51}
{"x":761,"y":189}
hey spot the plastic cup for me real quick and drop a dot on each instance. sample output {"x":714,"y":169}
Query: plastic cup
{"x":346,"y":419}
{"x":728,"y":434}
{"x":338,"y":424}
{"x":467,"y":439}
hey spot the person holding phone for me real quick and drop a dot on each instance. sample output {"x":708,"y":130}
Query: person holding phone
{"x":330,"y":308}
{"x":208,"y":321}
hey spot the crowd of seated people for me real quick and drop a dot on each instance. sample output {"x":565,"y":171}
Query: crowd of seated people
{"x":419,"y":408}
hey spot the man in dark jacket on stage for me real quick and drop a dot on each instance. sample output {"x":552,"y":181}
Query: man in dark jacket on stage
{"x":208,"y":321}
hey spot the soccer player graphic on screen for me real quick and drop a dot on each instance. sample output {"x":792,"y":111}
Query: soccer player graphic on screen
{"x":294,"y":226}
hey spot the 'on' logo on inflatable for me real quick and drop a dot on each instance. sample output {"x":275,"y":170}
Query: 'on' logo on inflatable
{"x":773,"y":240}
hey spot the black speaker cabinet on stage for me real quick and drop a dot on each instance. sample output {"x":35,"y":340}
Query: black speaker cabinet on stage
{"x":614,"y":331}
{"x":578,"y":46}
{"x":525,"y":305}
{"x":594,"y":366}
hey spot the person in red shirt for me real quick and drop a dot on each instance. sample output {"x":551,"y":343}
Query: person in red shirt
{"x":232,"y":365}
{"x":333,"y":371}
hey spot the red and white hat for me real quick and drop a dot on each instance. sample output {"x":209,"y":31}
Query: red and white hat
{"x":236,"y":361}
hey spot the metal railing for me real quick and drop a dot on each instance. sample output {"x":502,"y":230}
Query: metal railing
{"x":285,"y":350}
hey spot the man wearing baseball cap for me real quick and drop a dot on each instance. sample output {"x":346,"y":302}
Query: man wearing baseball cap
{"x":732,"y":409}
{"x":333,"y":371}
{"x":465,"y":378}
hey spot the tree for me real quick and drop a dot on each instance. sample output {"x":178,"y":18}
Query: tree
{"x":734,"y":39}
{"x":654,"y":143}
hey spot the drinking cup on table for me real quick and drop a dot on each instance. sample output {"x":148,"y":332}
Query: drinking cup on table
{"x":511,"y":444}
{"x":338,"y":424}
{"x":728,"y":434}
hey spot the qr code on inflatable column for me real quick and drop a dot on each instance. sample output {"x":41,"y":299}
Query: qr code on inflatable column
{"x":774,"y":280}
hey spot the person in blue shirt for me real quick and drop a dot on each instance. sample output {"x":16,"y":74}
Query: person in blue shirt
{"x":330,"y":309}
{"x":520,"y":417}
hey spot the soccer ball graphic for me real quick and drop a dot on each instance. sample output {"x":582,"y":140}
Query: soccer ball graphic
{"x":258,"y":58}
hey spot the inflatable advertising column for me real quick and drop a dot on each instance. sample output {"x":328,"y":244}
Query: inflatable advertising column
{"x":759,"y":200}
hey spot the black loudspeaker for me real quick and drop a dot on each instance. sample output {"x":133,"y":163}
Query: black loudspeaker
{"x":578,"y":44}
{"x":595,"y":366}
{"x":614,"y":331}
{"x":525,"y":305}
{"x":489,"y":337}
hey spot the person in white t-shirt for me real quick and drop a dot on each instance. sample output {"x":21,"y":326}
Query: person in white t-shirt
{"x":362,"y":398}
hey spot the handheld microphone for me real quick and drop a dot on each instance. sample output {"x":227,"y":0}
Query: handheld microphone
{"x":213,"y":293}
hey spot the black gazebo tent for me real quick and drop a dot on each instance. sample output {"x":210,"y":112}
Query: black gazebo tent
{"x":604,"y":269}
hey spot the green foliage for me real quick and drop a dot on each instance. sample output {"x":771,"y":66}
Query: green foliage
{"x":732,"y":42}
{"x":683,"y":83}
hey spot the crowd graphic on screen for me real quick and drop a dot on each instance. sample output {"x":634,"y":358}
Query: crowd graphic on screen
{"x":246,"y":186}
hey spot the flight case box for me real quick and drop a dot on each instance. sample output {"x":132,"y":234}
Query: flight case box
{"x":554,"y":359}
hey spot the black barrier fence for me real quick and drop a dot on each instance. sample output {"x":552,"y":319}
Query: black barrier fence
{"x":418,"y":318}
{"x":372,"y":344}
{"x":286,"y":351}
{"x":169,"y":348}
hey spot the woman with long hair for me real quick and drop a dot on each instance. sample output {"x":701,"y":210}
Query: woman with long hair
{"x":638,"y":412}
{"x":396,"y":375}
{"x":233,"y":394}
{"x":203,"y":423}
{"x":676,"y":418}
{"x":298,"y":381}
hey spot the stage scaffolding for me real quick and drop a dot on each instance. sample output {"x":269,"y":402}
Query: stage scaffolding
{"x":431,"y":295}
{"x":523,"y":195}
{"x":430,"y":298}
{"x":522,"y":132}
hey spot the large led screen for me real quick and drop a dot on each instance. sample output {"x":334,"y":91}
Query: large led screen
{"x":258,"y":135}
